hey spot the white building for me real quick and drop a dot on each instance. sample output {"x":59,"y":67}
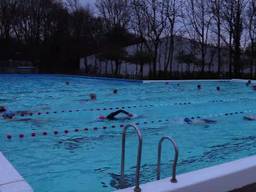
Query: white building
{"x":92,"y":64}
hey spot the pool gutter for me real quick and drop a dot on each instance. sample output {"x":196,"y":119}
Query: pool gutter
{"x":187,"y":80}
{"x":101,"y":78}
{"x":220,"y":178}
{"x":10,"y":179}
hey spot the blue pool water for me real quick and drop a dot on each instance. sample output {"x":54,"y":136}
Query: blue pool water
{"x":87,"y":156}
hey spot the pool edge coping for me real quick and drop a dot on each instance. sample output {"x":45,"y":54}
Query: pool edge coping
{"x":196,"y":80}
{"x":139,"y":81}
{"x":99,"y":78}
{"x":219,"y":178}
{"x":10,"y":178}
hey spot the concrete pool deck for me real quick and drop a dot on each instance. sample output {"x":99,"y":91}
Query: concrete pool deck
{"x":220,"y":178}
{"x":10,"y":179}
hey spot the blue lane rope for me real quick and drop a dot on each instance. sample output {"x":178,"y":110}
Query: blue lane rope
{"x":76,"y":130}
{"x":129,"y":107}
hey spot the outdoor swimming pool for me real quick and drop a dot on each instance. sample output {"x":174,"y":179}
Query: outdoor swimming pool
{"x":63,"y":148}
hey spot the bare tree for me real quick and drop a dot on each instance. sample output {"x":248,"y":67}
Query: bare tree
{"x":7,"y":12}
{"x":138,"y":27}
{"x":251,"y":28}
{"x":150,"y":23}
{"x":216,"y":8}
{"x":172,"y":9}
{"x":115,"y":12}
{"x":238,"y":30}
{"x":73,"y":5}
{"x":227,"y":36}
{"x":197,"y":23}
{"x":233,"y":17}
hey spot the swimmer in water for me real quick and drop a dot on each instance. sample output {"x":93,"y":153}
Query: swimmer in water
{"x":250,"y":117}
{"x":115,"y":91}
{"x":2,"y":109}
{"x":199,"y":121}
{"x":9,"y":115}
{"x":112,"y":116}
{"x":199,"y":87}
{"x":248,"y":83}
{"x":93,"y":97}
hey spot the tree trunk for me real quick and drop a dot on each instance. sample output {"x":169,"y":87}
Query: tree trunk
{"x":171,"y":54}
{"x":117,"y":67}
{"x":155,"y":61}
{"x":141,"y":70}
{"x":166,"y":55}
{"x":230,"y":55}
{"x":202,"y":58}
{"x":219,"y":48}
{"x":252,"y":58}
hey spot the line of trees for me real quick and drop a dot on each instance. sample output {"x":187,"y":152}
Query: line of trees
{"x":54,"y":34}
{"x":228,"y":25}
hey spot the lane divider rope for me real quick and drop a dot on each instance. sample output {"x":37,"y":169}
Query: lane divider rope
{"x":126,"y":107}
{"x":76,"y":130}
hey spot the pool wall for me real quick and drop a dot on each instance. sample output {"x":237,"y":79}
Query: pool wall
{"x":220,"y":178}
{"x":202,"y":80}
{"x":188,"y":80}
{"x":10,"y":179}
{"x":102,"y":78}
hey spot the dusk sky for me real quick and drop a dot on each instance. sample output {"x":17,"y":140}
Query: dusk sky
{"x":87,"y":1}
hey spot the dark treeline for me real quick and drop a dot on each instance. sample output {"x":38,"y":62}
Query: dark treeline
{"x":54,"y":34}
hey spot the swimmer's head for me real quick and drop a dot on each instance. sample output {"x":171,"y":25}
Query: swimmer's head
{"x":102,"y":117}
{"x":115,"y":91}
{"x":8,"y":115}
{"x":67,"y":83}
{"x":218,"y":88}
{"x":198,"y":87}
{"x":187,"y":120}
{"x":248,"y":83}
{"x":93,"y":96}
{"x":2,"y":109}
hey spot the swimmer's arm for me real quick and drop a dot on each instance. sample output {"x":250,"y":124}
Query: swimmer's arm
{"x":112,"y":115}
{"x":250,"y":118}
{"x":126,"y":113}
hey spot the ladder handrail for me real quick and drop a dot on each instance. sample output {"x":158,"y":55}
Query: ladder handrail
{"x":137,"y":179}
{"x":173,"y":179}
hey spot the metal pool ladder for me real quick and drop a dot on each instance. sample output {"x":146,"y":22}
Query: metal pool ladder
{"x":139,"y":151}
{"x":159,"y":153}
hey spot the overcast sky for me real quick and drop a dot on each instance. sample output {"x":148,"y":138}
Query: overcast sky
{"x":87,"y":2}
